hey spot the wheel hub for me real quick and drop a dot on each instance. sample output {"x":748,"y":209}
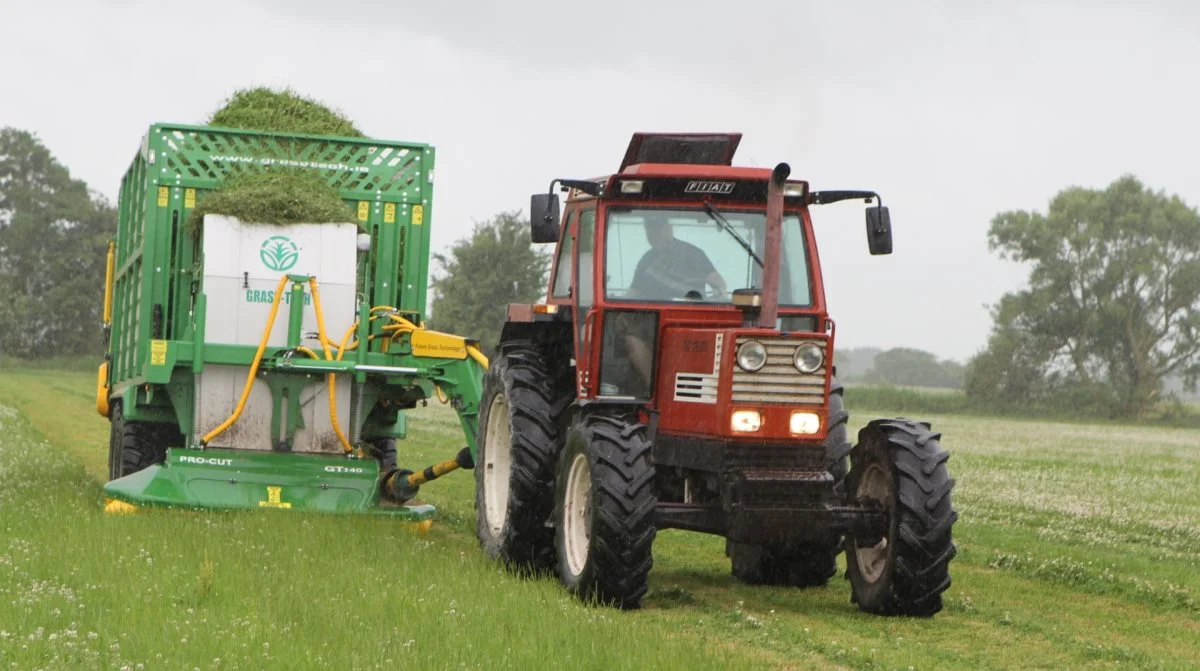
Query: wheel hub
{"x":577,"y":526}
{"x":497,"y":464}
{"x":875,"y":485}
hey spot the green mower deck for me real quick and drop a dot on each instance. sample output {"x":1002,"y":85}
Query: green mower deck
{"x":241,"y":479}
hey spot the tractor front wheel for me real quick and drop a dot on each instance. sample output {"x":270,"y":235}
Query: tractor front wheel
{"x":604,"y":515}
{"x":517,"y":451}
{"x":899,"y":467}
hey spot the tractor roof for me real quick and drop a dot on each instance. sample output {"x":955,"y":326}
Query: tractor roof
{"x":681,"y":148}
{"x":680,"y":155}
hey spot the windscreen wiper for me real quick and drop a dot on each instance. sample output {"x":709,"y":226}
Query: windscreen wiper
{"x":725,"y":226}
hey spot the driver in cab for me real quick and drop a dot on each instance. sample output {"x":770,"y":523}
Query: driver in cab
{"x":672,"y":268}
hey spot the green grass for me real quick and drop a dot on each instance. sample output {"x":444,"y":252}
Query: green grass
{"x":1079,"y":548}
{"x":278,"y":197}
{"x":284,"y":111}
{"x":932,"y":400}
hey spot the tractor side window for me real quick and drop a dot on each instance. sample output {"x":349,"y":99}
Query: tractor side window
{"x":794,"y":287}
{"x":565,"y":270}
{"x":586,"y":239}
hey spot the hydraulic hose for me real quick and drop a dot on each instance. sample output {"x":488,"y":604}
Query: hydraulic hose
{"x":262,"y":346}
{"x":477,"y":355}
{"x":316,"y":292}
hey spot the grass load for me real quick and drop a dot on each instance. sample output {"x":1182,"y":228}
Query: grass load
{"x":277,"y":195}
{"x":281,"y":112}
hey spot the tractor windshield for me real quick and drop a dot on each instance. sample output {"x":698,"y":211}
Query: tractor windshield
{"x":687,"y":255}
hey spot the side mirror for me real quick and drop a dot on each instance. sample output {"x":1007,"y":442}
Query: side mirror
{"x":879,"y":230}
{"x":544,"y":217}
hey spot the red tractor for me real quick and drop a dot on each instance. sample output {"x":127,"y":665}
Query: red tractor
{"x":679,"y":376}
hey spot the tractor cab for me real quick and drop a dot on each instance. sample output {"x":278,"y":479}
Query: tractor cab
{"x":688,"y":292}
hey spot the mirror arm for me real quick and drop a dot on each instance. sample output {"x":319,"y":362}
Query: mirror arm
{"x":587,"y":186}
{"x":827,"y":197}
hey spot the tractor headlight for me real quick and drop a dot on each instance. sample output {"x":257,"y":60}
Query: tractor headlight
{"x":804,"y":423}
{"x":745,"y":421}
{"x":751,"y":356}
{"x":808,"y":358}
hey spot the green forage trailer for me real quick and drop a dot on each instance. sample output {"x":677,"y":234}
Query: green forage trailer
{"x":267,"y":362}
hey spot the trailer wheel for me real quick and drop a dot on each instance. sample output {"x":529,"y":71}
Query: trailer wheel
{"x":801,"y":564}
{"x":133,"y":446}
{"x":604,"y":514}
{"x":900,"y":466}
{"x":517,"y":451}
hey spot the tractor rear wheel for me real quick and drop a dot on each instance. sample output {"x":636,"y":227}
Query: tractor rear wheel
{"x":801,"y":564}
{"x":517,"y":452}
{"x":900,"y":466}
{"x":133,"y":446}
{"x":604,"y":516}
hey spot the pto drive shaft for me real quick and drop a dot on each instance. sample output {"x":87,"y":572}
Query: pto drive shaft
{"x":401,"y":485}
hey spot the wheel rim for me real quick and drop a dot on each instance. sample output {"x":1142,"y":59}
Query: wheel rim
{"x":872,"y":560}
{"x":577,"y":525}
{"x":497,"y":464}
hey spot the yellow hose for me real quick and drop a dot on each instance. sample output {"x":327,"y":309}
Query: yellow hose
{"x":262,"y":346}
{"x":477,"y":355}
{"x":346,"y":338}
{"x":312,"y":283}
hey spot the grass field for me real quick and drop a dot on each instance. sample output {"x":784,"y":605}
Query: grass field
{"x":1079,"y":547}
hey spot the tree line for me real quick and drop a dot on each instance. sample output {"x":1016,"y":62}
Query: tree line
{"x":54,"y":234}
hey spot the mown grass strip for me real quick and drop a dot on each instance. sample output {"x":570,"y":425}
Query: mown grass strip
{"x":250,"y":590}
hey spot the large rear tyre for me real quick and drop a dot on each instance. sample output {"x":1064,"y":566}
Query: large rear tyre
{"x":517,"y":453}
{"x":900,"y":466}
{"x":801,"y":564}
{"x":133,"y":446}
{"x":604,"y":517}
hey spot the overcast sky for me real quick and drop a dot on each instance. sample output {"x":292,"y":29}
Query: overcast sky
{"x":953,"y":111}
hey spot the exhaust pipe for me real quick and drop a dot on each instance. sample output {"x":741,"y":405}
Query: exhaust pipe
{"x":768,"y":314}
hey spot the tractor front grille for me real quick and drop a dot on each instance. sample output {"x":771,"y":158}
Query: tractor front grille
{"x":780,"y":456}
{"x":778,"y":381}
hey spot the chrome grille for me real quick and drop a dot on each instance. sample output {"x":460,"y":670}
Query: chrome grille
{"x":778,"y":381}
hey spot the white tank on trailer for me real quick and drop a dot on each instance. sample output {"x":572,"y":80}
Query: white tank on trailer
{"x":242,"y":264}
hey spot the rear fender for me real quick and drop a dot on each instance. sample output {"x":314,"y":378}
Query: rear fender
{"x":136,"y":404}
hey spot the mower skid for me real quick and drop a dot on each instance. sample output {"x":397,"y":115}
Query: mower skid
{"x":252,"y":480}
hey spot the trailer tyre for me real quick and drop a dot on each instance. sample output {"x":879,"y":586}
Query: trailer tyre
{"x":604,"y":514}
{"x":801,"y":564}
{"x":517,"y":451}
{"x":900,"y":466}
{"x":133,"y":446}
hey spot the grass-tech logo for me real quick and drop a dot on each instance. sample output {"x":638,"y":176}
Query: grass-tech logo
{"x":279,"y":253}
